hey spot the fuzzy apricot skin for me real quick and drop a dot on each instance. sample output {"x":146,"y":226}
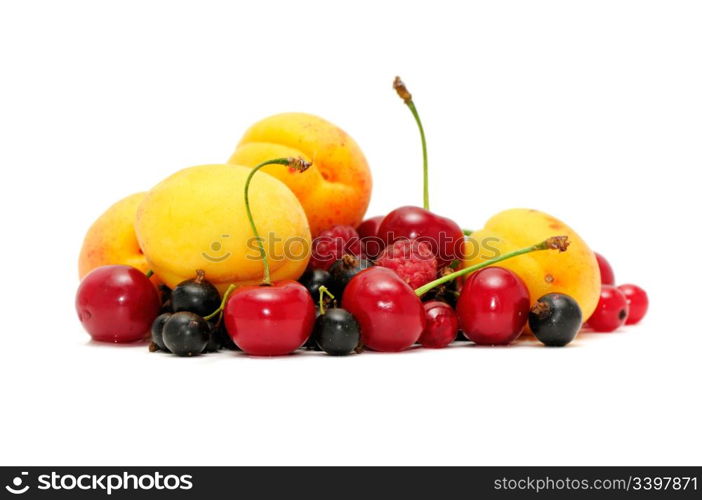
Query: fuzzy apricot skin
{"x":574,"y":272}
{"x":336,"y":189}
{"x":196,"y":219}
{"x":111,"y":239}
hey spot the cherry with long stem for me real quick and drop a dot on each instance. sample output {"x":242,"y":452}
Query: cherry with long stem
{"x":412,"y":222}
{"x":269,"y":319}
{"x":295,"y":163}
{"x":402,"y":91}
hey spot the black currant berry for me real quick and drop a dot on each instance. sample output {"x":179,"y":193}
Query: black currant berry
{"x":186,"y":334}
{"x":219,"y":330}
{"x":157,"y":331}
{"x":555,"y":319}
{"x":343,"y":270}
{"x":197,"y":295}
{"x":313,"y":279}
{"x":165,"y":294}
{"x":336,"y":332}
{"x":215,"y":342}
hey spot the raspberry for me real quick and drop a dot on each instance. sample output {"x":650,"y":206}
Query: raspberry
{"x":412,"y":260}
{"x":332,"y":244}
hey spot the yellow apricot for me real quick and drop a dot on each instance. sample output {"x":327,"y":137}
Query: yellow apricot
{"x":574,"y":272}
{"x":336,"y":189}
{"x":196,"y":219}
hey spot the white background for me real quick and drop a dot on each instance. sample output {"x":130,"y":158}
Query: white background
{"x":590,"y":110}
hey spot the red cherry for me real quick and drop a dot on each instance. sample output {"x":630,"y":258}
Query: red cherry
{"x":611,"y":312}
{"x":371,"y":245}
{"x":441,"y":325}
{"x":638,"y":302}
{"x":117,"y":304}
{"x":270,"y":320}
{"x":444,"y":235}
{"x":493,"y":306}
{"x":391,"y":316}
{"x":606,"y":272}
{"x":369,"y":227}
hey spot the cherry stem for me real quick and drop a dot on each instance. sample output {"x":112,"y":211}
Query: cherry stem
{"x":467,"y":232}
{"x":222,"y":305}
{"x":559,"y":243}
{"x":298,"y":164}
{"x":324,"y":290}
{"x":149,"y":273}
{"x":402,"y":91}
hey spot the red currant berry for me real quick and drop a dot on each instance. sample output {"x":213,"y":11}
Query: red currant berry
{"x":391,"y":316}
{"x":638,"y":302}
{"x":117,"y":304}
{"x":493,"y":306}
{"x":606,"y":272}
{"x":611,"y":312}
{"x":441,"y":325}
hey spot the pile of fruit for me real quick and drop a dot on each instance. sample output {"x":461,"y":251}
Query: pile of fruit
{"x":269,"y":254}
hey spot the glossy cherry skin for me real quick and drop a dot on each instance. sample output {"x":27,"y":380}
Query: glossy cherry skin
{"x":606,"y":271}
{"x":391,"y":316}
{"x":270,"y":320}
{"x":369,"y":227}
{"x":117,"y":304}
{"x":493,"y":307}
{"x":441,"y":325}
{"x":611,"y":312}
{"x":638,"y":302}
{"x":367,"y":231}
{"x":444,"y":235}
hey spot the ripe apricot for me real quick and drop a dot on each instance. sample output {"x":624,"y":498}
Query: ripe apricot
{"x":336,"y":189}
{"x":196,"y":219}
{"x":574,"y":272}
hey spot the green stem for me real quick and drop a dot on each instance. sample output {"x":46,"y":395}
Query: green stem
{"x":559,"y":243}
{"x":225,"y":298}
{"x":402,"y":91}
{"x":298,"y":164}
{"x":413,"y":109}
{"x":149,"y":273}
{"x":468,"y":232}
{"x":323,"y":290}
